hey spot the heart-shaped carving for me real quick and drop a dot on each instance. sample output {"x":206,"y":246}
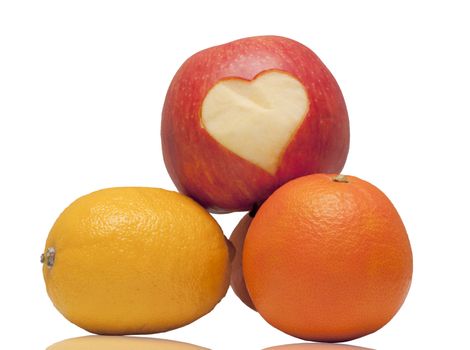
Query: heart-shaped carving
{"x":256,"y":119}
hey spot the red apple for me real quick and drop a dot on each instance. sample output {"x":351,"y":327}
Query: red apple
{"x":237,"y":281}
{"x":241,"y":119}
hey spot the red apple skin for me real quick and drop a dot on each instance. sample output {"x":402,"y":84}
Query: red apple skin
{"x":214,"y":176}
{"x":237,"y":281}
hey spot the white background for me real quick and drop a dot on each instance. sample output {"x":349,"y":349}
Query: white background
{"x":81,"y":91}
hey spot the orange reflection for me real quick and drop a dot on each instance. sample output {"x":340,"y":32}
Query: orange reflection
{"x":97,"y":342}
{"x":316,"y":346}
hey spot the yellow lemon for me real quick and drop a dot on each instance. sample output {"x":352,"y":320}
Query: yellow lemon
{"x":121,"y":343}
{"x":135,"y":260}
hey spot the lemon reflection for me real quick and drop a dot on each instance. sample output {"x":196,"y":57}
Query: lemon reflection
{"x":316,"y":346}
{"x":96,"y":342}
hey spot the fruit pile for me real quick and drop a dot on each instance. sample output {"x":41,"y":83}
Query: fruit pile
{"x":258,"y":125}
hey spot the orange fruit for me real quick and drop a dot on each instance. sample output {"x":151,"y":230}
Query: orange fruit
{"x":317,"y":346}
{"x":135,"y":260}
{"x":327,"y":258}
{"x":237,"y":281}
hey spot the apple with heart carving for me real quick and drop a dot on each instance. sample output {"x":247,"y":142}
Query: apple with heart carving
{"x":241,"y":119}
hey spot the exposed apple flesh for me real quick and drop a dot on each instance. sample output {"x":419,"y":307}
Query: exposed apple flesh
{"x":256,"y":119}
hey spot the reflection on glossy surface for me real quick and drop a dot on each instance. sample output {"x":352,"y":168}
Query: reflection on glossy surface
{"x":316,"y":346}
{"x":97,"y":342}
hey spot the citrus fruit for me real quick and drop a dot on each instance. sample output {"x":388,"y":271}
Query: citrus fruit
{"x":121,"y":343}
{"x":327,"y":258}
{"x":135,"y":260}
{"x":316,"y":346}
{"x":237,"y":238}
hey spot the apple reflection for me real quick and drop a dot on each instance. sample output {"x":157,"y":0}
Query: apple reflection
{"x":97,"y":342}
{"x":316,"y":346}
